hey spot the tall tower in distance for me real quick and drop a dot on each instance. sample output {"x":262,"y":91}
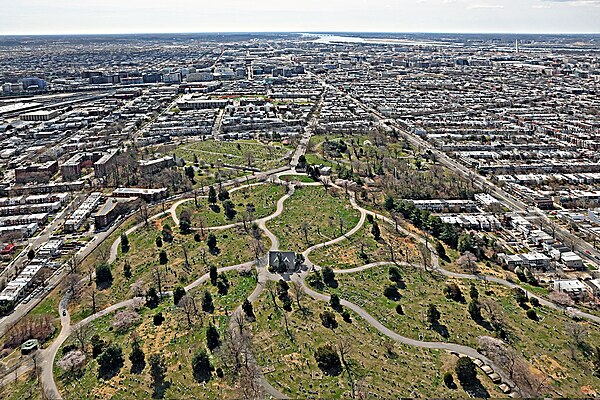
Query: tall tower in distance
{"x":517,"y":46}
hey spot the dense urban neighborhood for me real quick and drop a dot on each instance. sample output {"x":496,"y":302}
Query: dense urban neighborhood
{"x":299,"y":216}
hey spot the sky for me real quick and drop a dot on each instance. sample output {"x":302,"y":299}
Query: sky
{"x":28,"y":17}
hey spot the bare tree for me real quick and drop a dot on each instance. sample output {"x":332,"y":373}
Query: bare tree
{"x":298,"y":293}
{"x":144,"y":212}
{"x":82,"y":335}
{"x":188,"y":305}
{"x":531,"y":383}
{"x":468,"y":260}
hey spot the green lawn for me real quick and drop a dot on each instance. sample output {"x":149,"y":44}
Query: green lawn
{"x":262,"y":197}
{"x":299,"y":178}
{"x":362,"y":248}
{"x":317,"y":211}
{"x":544,"y":343}
{"x":290,"y":366}
{"x":240,"y":153}
{"x":235,"y":246}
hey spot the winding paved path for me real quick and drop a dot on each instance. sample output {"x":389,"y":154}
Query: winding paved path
{"x":264,"y":276}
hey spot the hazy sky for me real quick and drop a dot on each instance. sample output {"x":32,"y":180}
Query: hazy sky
{"x":132,"y":16}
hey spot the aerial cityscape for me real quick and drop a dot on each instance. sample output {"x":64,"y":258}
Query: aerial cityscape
{"x":299,"y":215}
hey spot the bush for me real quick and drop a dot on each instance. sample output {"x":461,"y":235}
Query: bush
{"x":531,"y":314}
{"x":452,"y":291}
{"x":399,"y":309}
{"x":391,"y":292}
{"x":328,"y":360}
{"x":449,"y":380}
{"x":534,"y":301}
{"x":158,"y":319}
{"x":328,"y":320}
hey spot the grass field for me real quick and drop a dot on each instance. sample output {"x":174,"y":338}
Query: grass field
{"x":316,"y":210}
{"x":533,"y":338}
{"x":362,"y":248}
{"x":290,"y":366}
{"x":175,"y":339}
{"x":241,"y":153}
{"x":262,"y":197}
{"x":235,"y":246}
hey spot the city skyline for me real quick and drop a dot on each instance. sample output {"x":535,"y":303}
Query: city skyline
{"x":447,"y":16}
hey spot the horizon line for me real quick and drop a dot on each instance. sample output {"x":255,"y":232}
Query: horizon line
{"x":298,"y":33}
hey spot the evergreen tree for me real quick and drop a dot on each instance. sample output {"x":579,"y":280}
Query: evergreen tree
{"x":212,"y":195}
{"x":213,"y":340}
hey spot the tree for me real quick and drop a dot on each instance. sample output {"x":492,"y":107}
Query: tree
{"x":247,"y":308}
{"x":222,"y":285}
{"x":73,"y":360}
{"x":137,"y":357}
{"x":475,"y":310}
{"x":185,"y":226}
{"x":201,"y":368}
{"x":124,"y":243}
{"x":190,"y":173}
{"x":473,"y":292}
{"x":520,"y":296}
{"x":441,"y":252}
{"x":31,"y":254}
{"x":213,"y":274}
{"x":328,"y":360}
{"x":433,"y":315}
{"x":223,"y":195}
{"x":212,"y":195}
{"x":394,"y":274}
{"x":98,"y":346}
{"x":391,"y":292}
{"x":516,"y":367}
{"x":468,"y":261}
{"x":328,"y":276}
{"x":211,"y":242}
{"x":188,"y":305}
{"x":178,"y":293}
{"x":162,"y":257}
{"x":159,"y":241}
{"x":229,"y":209}
{"x":376,"y":231}
{"x":213,"y":339}
{"x":531,"y":314}
{"x":388,"y":204}
{"x":110,"y":362}
{"x":466,"y":371}
{"x":298,"y":293}
{"x":82,"y":335}
{"x":125,"y":319}
{"x":328,"y":319}
{"x":158,"y":319}
{"x":207,"y":302}
{"x":449,"y":380}
{"x":334,"y":301}
{"x":104,"y":276}
{"x":152,"y":298}
{"x":158,"y":371}
{"x":596,"y":361}
{"x":452,"y":291}
{"x":127,"y":270}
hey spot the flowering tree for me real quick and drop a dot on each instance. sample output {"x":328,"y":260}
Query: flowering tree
{"x":125,"y":319}
{"x":72,"y":360}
